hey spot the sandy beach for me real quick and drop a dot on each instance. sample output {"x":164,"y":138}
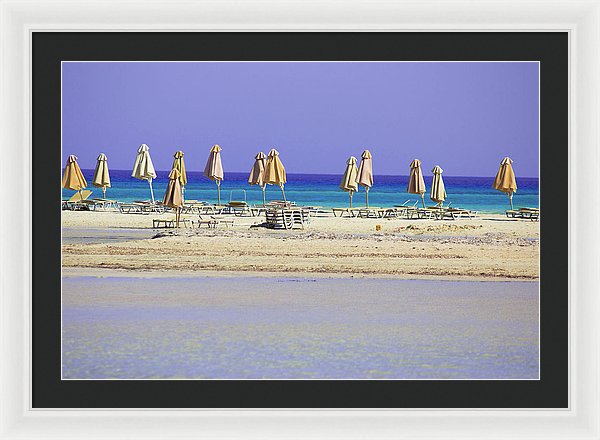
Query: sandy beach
{"x":491,"y":247}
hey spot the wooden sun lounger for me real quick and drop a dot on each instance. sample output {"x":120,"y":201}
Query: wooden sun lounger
{"x":454,"y":213}
{"x":192,"y":206}
{"x":532,"y":214}
{"x":211,"y":209}
{"x":420,"y":213}
{"x":255,"y":211}
{"x":158,"y":223}
{"x":372,"y":212}
{"x":239,"y":209}
{"x":102,"y":203}
{"x":213,"y":222}
{"x":131,"y":208}
{"x":341,"y":211}
{"x":77,"y":201}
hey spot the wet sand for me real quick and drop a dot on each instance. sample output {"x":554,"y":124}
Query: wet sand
{"x":298,"y":327}
{"x":490,"y":247}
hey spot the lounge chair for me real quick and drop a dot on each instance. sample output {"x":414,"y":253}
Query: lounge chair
{"x":238,"y":207}
{"x":532,"y":214}
{"x":280,"y":204}
{"x":214,"y":222}
{"x":454,"y":213}
{"x":130,"y":208}
{"x":402,"y":210}
{"x":192,"y":206}
{"x":77,"y":201}
{"x":373,"y":212}
{"x":158,"y":223}
{"x":141,"y":208}
{"x":102,"y":204}
{"x":287,"y":218}
{"x":211,"y":209}
{"x":342,"y":211}
{"x":255,"y":211}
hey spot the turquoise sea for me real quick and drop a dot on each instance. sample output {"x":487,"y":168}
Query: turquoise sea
{"x":323,"y":190}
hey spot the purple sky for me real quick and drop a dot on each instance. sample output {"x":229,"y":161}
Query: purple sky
{"x":463,"y":116}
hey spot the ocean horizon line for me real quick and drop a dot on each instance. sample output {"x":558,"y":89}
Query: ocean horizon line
{"x":320,"y":174}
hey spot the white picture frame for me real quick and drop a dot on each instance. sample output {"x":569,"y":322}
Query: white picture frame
{"x":20,"y":18}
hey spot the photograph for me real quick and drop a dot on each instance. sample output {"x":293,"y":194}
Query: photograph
{"x":300,"y":220}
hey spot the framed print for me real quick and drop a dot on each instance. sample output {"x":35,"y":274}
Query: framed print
{"x":209,"y":279}
{"x":300,"y":228}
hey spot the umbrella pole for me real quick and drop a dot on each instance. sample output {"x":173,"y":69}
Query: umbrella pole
{"x":423,"y":200}
{"x":510,"y":198}
{"x":351,"y":198}
{"x":104,"y":192}
{"x":151,"y":190}
{"x":264,"y":196}
{"x":177,"y":215}
{"x":283,"y":192}
{"x":218,"y":192}
{"x":80,"y":194}
{"x":183,"y":194}
{"x":367,"y":195}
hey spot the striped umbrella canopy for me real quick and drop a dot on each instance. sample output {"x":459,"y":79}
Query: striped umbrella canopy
{"x":416,"y":183}
{"x":143,"y":168}
{"x":72,"y":176}
{"x":173,"y":195}
{"x":214,"y":169}
{"x":365,"y":173}
{"x":257,"y":173}
{"x":438,"y":190}
{"x":275,"y":171}
{"x":101,"y":177}
{"x":179,"y":165}
{"x":349,"y":183}
{"x":505,"y":179}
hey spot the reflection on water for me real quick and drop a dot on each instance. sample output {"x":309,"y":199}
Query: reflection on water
{"x":298,"y":328}
{"x":104,"y":235}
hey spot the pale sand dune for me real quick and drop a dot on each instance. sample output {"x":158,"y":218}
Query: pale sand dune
{"x":492,"y":247}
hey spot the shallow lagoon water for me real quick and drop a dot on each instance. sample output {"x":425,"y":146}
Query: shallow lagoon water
{"x":284,"y":328}
{"x":103,"y":235}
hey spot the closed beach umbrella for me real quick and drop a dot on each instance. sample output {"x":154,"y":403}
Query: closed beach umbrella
{"x":365,"y":173}
{"x":214,"y":169}
{"x":173,"y":196}
{"x":438,"y":190}
{"x":143,"y":168}
{"x":257,"y":173}
{"x":505,"y":179}
{"x":101,"y":177}
{"x":416,"y":184}
{"x":179,"y":165}
{"x":274,"y":171}
{"x":348,"y":182}
{"x":73,"y":177}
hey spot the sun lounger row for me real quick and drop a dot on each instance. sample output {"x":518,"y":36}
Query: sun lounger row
{"x":209,"y":221}
{"x":409,"y":212}
{"x":82,"y":202}
{"x":141,"y":208}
